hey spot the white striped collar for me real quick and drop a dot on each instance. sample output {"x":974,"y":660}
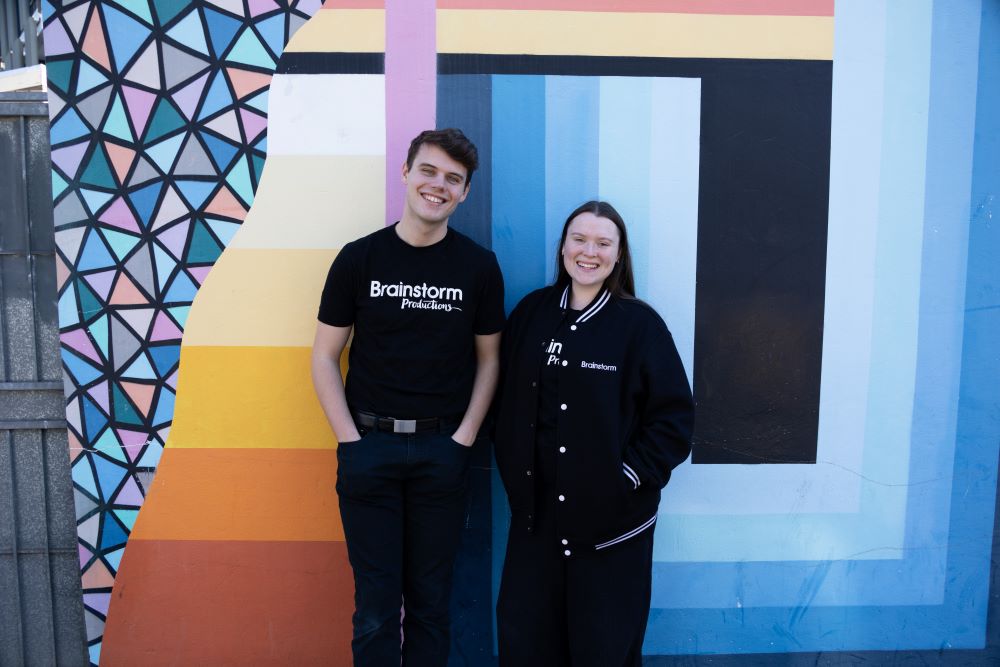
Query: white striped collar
{"x":591,"y":310}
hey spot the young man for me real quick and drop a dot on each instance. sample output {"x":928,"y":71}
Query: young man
{"x":426,"y":307}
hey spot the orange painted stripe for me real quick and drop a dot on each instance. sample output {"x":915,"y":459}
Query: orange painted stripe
{"x":230,"y":603}
{"x":746,"y":7}
{"x":242,"y":494}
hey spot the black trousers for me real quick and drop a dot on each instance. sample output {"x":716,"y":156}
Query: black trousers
{"x":587,"y":610}
{"x":402,"y":503}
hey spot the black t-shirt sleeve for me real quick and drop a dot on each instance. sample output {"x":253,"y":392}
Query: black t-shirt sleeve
{"x":489,"y":315}
{"x":340,"y":293}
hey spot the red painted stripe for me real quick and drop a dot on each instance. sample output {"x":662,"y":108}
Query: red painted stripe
{"x":230,"y":603}
{"x":749,"y":7}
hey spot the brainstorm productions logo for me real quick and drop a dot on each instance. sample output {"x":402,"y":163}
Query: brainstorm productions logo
{"x":422,"y":296}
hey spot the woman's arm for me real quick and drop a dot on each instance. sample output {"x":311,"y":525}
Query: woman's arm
{"x":663,"y":439}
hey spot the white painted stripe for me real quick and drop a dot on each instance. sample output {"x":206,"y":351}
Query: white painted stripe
{"x":675,"y":147}
{"x":626,"y":115}
{"x":326,"y":114}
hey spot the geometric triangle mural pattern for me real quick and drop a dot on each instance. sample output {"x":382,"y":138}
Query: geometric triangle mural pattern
{"x":158,"y":135}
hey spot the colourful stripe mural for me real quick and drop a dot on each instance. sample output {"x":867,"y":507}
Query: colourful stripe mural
{"x":249,"y":467}
{"x":798,"y":178}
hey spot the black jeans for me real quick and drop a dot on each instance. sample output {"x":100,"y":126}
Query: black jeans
{"x":402,"y":503}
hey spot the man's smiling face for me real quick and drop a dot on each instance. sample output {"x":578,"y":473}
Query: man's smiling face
{"x":435,"y":185}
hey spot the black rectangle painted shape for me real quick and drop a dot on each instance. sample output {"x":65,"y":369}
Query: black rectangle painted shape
{"x":762,"y":231}
{"x":296,"y":62}
{"x":466,"y":102}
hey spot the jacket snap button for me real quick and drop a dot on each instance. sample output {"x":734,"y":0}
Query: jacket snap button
{"x":565,"y":363}
{"x":572,"y":328}
{"x":562,"y":498}
{"x":562,"y":407}
{"x":529,"y":473}
{"x":567,"y":552}
{"x":565,"y":542}
{"x":562,"y":450}
{"x":534,"y":384}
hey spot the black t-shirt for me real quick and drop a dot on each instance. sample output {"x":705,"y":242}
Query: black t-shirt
{"x":415,"y":313}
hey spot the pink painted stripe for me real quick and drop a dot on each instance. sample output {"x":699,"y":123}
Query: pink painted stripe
{"x":766,"y":7}
{"x":410,"y":87}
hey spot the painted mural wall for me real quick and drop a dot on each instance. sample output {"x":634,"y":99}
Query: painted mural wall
{"x":810,"y":189}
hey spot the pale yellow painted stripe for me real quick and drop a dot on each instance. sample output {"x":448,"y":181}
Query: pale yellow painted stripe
{"x":249,"y":397}
{"x":342,"y":30}
{"x":634,"y":34}
{"x":310,"y":201}
{"x":259,"y":298}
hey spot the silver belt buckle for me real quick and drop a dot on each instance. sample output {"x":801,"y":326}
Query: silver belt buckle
{"x":404,"y":426}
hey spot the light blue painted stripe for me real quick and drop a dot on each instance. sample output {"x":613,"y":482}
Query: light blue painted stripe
{"x":624,"y":159}
{"x":898,"y":250}
{"x":675,"y":146}
{"x":855,"y":164}
{"x":951,"y":131}
{"x":572,"y":107}
{"x":519,"y":183}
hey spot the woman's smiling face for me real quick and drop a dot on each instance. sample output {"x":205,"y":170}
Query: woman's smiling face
{"x":590,"y":250}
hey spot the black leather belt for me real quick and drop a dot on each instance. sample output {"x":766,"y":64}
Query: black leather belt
{"x":389,"y":425}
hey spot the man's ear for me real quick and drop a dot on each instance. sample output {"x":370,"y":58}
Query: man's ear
{"x":465,"y":193}
{"x":406,"y":170}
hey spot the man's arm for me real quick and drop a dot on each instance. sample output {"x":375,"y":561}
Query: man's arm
{"x":327,"y":348}
{"x":485,"y":383}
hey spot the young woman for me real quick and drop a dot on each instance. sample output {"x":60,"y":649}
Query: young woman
{"x":594,"y":412}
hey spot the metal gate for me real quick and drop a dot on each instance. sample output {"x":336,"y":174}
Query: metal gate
{"x":41,"y":610}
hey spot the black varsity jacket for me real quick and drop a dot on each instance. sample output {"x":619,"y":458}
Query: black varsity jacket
{"x":624,"y":422}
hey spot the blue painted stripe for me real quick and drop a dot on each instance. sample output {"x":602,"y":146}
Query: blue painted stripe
{"x":781,"y":630}
{"x":978,"y":431}
{"x":518,"y":233}
{"x":519,"y":183}
{"x":572,"y":106}
{"x":466,"y":101}
{"x":626,"y":120}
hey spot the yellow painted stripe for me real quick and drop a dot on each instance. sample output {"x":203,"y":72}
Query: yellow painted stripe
{"x":259,"y":298}
{"x":247,"y":397}
{"x":242,"y":494}
{"x":310,"y":201}
{"x":634,"y":34}
{"x":343,"y":30}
